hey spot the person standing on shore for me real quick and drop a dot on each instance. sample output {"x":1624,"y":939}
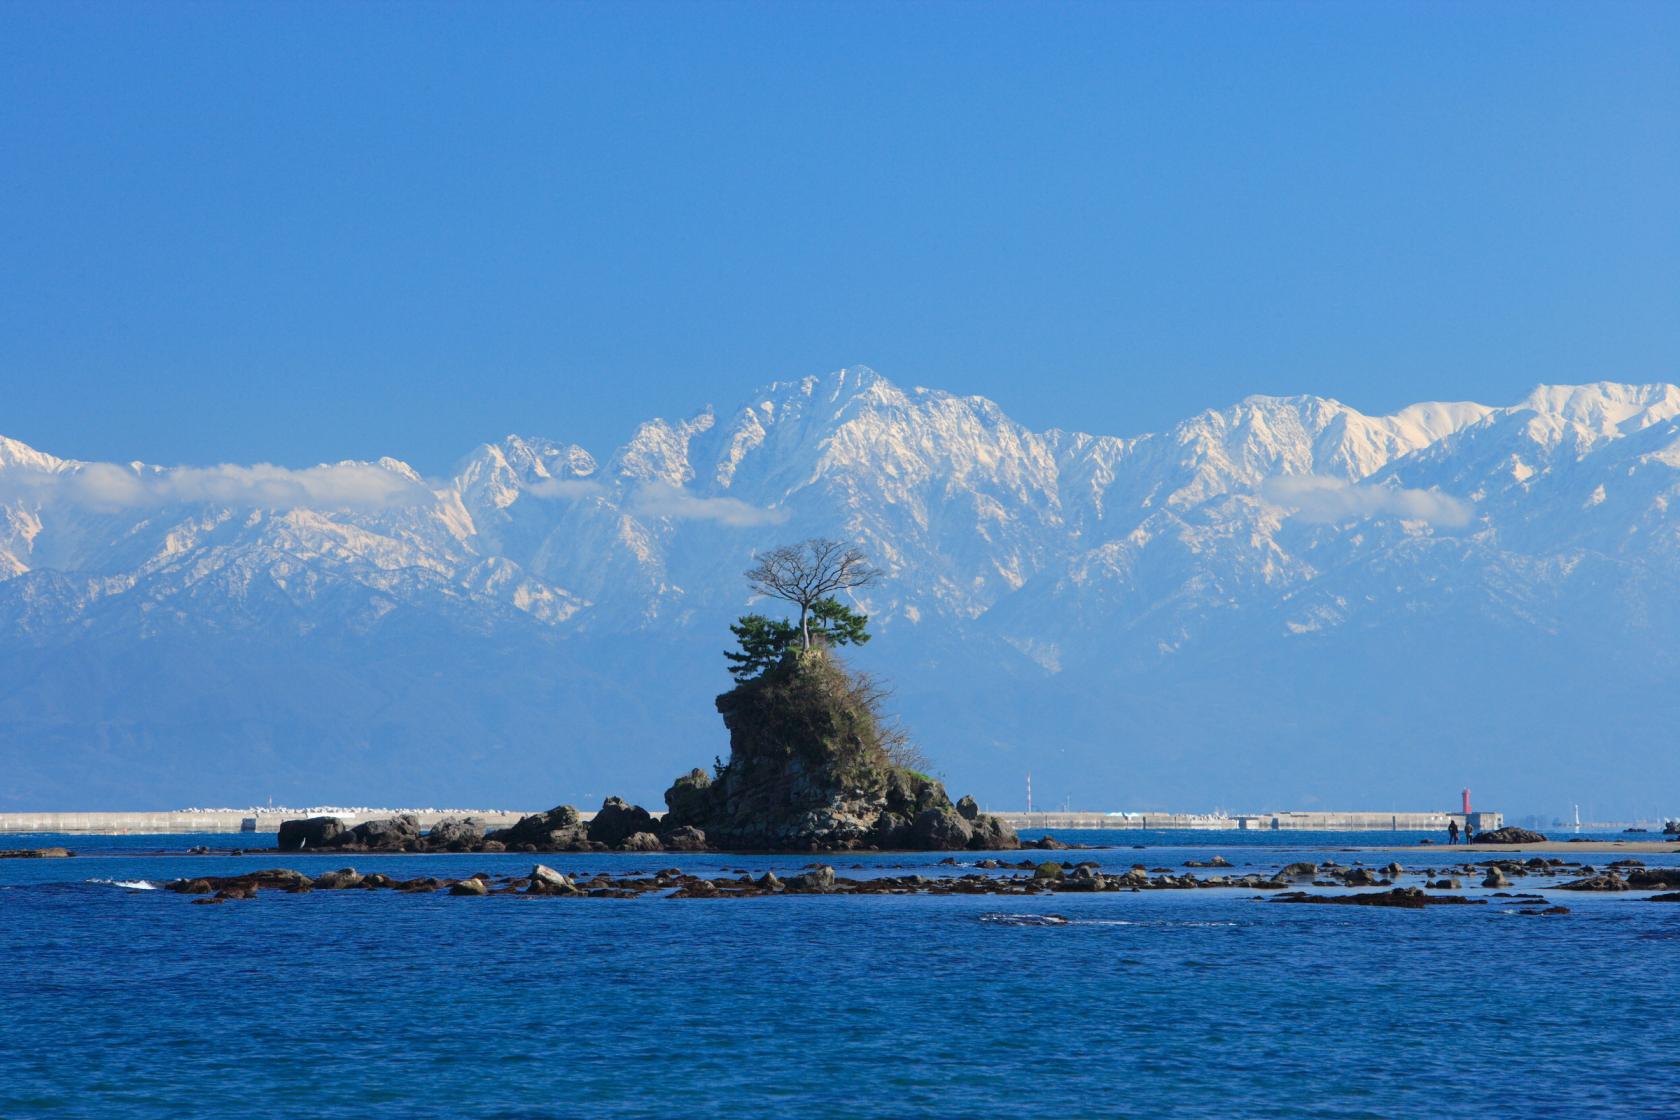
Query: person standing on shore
{"x":1452,"y":832}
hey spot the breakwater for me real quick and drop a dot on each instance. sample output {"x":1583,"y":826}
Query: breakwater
{"x":228,"y":820}
{"x":1351,"y":821}
{"x":268,"y":820}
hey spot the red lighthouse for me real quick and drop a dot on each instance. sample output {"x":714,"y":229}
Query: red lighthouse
{"x":1467,"y":801}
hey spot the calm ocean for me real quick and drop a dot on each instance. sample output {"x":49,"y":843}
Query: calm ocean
{"x":119,"y":1001}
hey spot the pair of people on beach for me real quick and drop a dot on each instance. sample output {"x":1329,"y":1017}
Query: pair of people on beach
{"x":1452,"y":832}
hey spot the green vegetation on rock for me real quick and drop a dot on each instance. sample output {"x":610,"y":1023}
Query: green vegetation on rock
{"x":814,"y":763}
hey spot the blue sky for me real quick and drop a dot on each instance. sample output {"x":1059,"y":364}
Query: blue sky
{"x":294,"y":232}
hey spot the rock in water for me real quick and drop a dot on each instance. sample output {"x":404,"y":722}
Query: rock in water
{"x":559,"y":829}
{"x":456,"y":835}
{"x":808,"y":771}
{"x":818,"y":879}
{"x":1507,"y":835}
{"x":940,"y":830}
{"x":641,"y":842}
{"x":397,"y":834}
{"x":546,"y":880}
{"x":685,"y":838}
{"x":619,"y":820}
{"x":688,"y":800}
{"x":307,"y":835}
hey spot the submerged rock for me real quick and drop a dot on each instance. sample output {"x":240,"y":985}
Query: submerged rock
{"x":1405,"y":898}
{"x":818,"y":879}
{"x":343,"y":879}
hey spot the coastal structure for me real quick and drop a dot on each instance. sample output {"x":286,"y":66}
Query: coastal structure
{"x":268,"y":820}
{"x":183,"y":821}
{"x":1317,"y":821}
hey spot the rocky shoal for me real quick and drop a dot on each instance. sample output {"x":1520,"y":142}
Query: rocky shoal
{"x":989,"y":877}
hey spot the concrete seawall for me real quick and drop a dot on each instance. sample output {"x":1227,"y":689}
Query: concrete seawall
{"x":233,"y":820}
{"x":1256,"y":822}
{"x":222,"y":821}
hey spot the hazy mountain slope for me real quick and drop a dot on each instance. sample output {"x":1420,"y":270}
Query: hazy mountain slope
{"x":1268,"y":604}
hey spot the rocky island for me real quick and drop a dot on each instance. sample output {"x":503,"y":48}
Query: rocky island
{"x":814,"y":765}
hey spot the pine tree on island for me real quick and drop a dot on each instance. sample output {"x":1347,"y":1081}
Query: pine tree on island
{"x":814,"y":763}
{"x":764,"y":640}
{"x":810,"y":573}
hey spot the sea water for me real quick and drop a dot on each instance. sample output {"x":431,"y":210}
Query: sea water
{"x":118,"y":1000}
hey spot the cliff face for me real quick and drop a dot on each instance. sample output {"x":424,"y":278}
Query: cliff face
{"x":809,"y":770}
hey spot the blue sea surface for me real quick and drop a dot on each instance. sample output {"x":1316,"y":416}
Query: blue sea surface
{"x":122,"y":1001}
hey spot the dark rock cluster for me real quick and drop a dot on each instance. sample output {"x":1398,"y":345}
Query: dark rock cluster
{"x":401,"y":833}
{"x":1507,"y":835}
{"x":989,"y":876}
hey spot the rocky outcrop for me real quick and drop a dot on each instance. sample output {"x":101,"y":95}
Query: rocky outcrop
{"x":1507,"y":835}
{"x":36,"y":853}
{"x":310,"y":834}
{"x":456,"y":834}
{"x":686,"y":838}
{"x":641,"y":842}
{"x":808,"y":770}
{"x":546,"y":880}
{"x":617,"y":821}
{"x":558,"y":830}
{"x":688,"y":800}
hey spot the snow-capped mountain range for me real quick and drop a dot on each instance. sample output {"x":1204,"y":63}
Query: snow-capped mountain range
{"x":1272,"y":605}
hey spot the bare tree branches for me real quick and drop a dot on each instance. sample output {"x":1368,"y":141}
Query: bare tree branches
{"x":806,"y":572}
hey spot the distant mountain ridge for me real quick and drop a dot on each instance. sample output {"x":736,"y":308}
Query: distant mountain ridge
{"x":1280,"y":601}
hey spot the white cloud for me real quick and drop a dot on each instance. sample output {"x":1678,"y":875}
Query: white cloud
{"x":1319,"y":499}
{"x":661,"y":499}
{"x":108,"y":486}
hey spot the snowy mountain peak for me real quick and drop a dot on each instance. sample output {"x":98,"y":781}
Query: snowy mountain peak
{"x":15,"y":453}
{"x":1247,"y":554}
{"x":1603,"y":410}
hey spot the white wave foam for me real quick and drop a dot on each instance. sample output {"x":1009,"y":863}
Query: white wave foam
{"x":1024,"y":919}
{"x":126,"y":884}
